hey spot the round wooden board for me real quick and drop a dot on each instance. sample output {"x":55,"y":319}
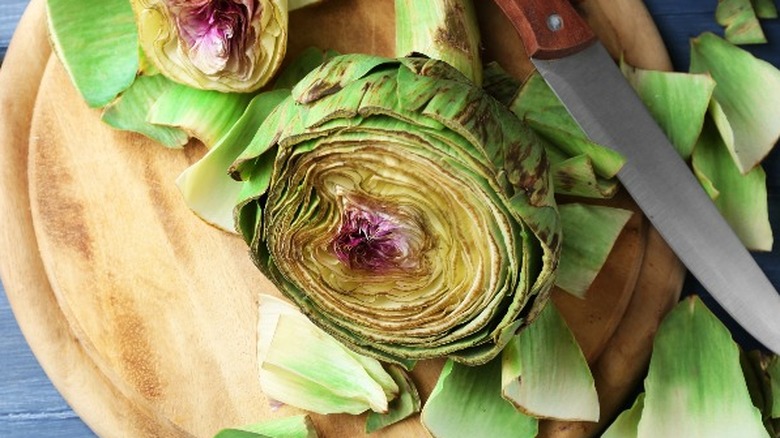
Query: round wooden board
{"x":144,"y":317}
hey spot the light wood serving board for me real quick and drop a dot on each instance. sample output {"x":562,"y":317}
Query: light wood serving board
{"x":144,"y":317}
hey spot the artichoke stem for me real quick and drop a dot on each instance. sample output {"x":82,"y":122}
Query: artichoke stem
{"x":441,"y":29}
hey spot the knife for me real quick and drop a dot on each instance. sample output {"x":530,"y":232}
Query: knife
{"x":586,"y":79}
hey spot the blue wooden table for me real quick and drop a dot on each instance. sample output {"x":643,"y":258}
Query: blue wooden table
{"x":31,"y":407}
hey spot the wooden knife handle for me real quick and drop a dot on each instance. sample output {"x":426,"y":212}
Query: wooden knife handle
{"x":549,"y":28}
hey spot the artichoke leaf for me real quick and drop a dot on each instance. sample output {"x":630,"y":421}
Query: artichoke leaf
{"x":627,"y":423}
{"x":296,"y":426}
{"x":576,"y":176}
{"x":765,"y":8}
{"x":677,"y":101}
{"x":544,"y":372}
{"x":302,"y":366}
{"x":405,"y":405}
{"x":97,"y":42}
{"x":538,"y":106}
{"x":695,"y":386}
{"x":747,"y":91}
{"x":467,"y":402}
{"x":741,"y":198}
{"x":590,"y":234}
{"x":192,"y":110}
{"x":740,"y":21}
{"x":500,"y":84}
{"x":130,"y":112}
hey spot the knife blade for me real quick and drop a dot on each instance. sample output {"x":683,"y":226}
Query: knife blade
{"x":586,"y":79}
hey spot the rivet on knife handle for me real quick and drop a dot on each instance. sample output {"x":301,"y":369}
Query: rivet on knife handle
{"x":549,"y":28}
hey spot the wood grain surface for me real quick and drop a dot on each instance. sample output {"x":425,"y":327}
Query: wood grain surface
{"x":142,"y":333}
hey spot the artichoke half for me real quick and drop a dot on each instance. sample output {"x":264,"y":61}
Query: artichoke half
{"x":222,"y":45}
{"x":405,"y":211}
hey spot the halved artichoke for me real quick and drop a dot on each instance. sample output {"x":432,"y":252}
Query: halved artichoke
{"x":222,"y":45}
{"x":402,"y":209}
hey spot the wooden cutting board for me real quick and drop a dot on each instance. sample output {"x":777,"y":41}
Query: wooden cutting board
{"x":144,"y":317}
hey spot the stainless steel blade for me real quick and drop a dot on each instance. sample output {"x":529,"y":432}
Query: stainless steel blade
{"x":599,"y":98}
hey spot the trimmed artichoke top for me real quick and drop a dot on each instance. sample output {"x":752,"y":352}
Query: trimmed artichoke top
{"x":222,"y":45}
{"x":405,"y":211}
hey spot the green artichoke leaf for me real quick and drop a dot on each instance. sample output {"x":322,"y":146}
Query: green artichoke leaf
{"x":695,"y":386}
{"x":765,"y":8}
{"x":192,"y":110}
{"x":747,"y":92}
{"x":740,"y":21}
{"x":97,"y":42}
{"x":222,"y":46}
{"x":467,"y":402}
{"x":206,"y":186}
{"x":677,"y":101}
{"x":627,"y":423}
{"x":544,"y":372}
{"x":741,"y":198}
{"x":335,"y":74}
{"x":130,"y":111}
{"x":538,"y":106}
{"x":402,"y":407}
{"x":302,"y":366}
{"x":576,"y":176}
{"x":401,"y":225}
{"x":590,"y":234}
{"x":296,"y":426}
{"x":500,"y":84}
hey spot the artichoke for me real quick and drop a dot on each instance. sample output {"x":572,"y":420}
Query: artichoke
{"x":405,"y":211}
{"x":222,"y":45}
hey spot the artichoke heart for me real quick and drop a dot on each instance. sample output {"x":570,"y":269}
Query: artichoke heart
{"x":405,"y":211}
{"x":222,"y":45}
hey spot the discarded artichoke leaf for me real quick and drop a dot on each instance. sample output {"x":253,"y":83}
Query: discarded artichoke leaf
{"x":296,"y":426}
{"x":193,"y":111}
{"x":207,"y":188}
{"x":544,"y":372}
{"x":765,"y":8}
{"x":740,"y":22}
{"x":677,"y":101}
{"x":773,"y":371}
{"x":234,"y":46}
{"x":302,"y":366}
{"x":747,"y":92}
{"x":627,"y":423}
{"x":576,"y":176}
{"x":591,"y":231}
{"x":467,"y":402}
{"x":402,"y":407}
{"x":758,"y":382}
{"x":538,"y":106}
{"x":695,"y":386}
{"x":446,"y":30}
{"x":466,"y":233}
{"x":97,"y":42}
{"x":130,"y":111}
{"x":741,"y":199}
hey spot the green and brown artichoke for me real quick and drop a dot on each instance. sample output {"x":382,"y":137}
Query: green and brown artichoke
{"x":405,"y":211}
